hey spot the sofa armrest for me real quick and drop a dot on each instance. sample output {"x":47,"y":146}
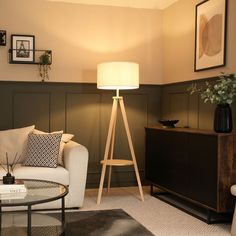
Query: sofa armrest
{"x":76,"y":162}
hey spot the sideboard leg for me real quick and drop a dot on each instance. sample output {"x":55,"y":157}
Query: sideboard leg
{"x":151,"y":189}
{"x":208,"y":216}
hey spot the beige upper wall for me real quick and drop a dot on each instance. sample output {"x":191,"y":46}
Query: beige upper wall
{"x":82,"y":36}
{"x":178,"y":43}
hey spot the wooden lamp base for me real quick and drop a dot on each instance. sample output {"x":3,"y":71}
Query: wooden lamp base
{"x":109,"y":149}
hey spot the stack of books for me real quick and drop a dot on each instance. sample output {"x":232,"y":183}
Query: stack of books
{"x":12,"y":196}
{"x":12,"y":191}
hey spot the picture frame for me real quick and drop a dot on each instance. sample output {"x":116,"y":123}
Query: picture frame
{"x":3,"y":37}
{"x":210,"y":34}
{"x":22,"y":49}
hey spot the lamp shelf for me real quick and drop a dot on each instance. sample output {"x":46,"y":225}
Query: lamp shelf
{"x":117,"y":162}
{"x":36,"y":56}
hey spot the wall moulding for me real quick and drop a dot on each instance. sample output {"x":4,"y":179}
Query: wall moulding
{"x":83,"y":110}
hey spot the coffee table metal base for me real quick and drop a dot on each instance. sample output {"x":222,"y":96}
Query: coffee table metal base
{"x":29,"y":218}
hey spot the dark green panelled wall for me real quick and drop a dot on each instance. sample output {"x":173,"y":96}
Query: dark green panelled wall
{"x":84,"y":110}
{"x":177,"y":103}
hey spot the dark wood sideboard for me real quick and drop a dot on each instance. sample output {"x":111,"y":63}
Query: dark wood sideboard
{"x":198,"y":166}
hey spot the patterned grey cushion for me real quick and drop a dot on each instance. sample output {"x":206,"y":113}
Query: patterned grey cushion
{"x":43,"y":150}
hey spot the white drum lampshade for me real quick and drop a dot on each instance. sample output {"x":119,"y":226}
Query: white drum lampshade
{"x":118,"y":75}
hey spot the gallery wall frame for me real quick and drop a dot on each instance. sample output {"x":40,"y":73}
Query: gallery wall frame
{"x":3,"y":36}
{"x":22,"y":49}
{"x":210,"y":34}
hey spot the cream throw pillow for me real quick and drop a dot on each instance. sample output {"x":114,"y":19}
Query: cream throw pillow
{"x":64,"y":139}
{"x":14,"y":141}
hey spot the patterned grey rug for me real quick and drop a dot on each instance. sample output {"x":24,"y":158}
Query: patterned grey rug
{"x":82,"y":223}
{"x":104,"y":222}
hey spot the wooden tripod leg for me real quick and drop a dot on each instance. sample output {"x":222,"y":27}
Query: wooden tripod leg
{"x":121,"y":102}
{"x":108,"y":143}
{"x":112,"y":152}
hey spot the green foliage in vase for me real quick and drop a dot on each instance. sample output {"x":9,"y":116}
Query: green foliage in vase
{"x":44,"y":65}
{"x":221,"y":91}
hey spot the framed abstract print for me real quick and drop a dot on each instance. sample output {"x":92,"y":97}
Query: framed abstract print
{"x":210,"y":34}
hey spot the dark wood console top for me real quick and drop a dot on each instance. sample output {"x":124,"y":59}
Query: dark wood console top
{"x":190,"y":130}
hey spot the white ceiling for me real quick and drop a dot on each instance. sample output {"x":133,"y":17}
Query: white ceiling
{"x":146,"y":4}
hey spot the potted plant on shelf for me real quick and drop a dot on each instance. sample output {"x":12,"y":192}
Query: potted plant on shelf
{"x":44,"y":65}
{"x":221,"y":92}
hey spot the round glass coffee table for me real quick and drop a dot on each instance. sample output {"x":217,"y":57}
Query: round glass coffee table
{"x":38,"y":191}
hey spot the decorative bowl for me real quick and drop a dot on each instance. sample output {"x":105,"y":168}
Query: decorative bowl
{"x":168,"y":123}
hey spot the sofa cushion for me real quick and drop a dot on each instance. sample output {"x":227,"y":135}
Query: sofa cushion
{"x":43,"y":150}
{"x":14,"y":141}
{"x":58,"y":174}
{"x":64,"y":139}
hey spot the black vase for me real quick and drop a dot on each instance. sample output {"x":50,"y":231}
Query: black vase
{"x":223,"y":119}
{"x":8,"y":179}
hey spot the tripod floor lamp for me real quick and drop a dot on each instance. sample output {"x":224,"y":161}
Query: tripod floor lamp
{"x":117,"y":76}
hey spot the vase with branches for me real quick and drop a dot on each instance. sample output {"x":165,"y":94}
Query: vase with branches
{"x":9,"y":178}
{"x":222,"y":93}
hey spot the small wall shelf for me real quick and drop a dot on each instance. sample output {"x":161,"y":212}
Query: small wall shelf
{"x":31,"y":57}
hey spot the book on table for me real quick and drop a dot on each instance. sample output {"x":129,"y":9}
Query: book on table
{"x":13,"y":196}
{"x":18,"y":187}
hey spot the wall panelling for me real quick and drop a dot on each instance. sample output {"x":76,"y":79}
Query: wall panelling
{"x":190,"y":110}
{"x":83,"y":110}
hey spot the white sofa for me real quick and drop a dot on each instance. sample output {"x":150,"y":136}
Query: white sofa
{"x":73,"y":174}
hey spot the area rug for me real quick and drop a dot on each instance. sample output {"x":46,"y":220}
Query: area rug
{"x":104,"y":222}
{"x":80,"y":223}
